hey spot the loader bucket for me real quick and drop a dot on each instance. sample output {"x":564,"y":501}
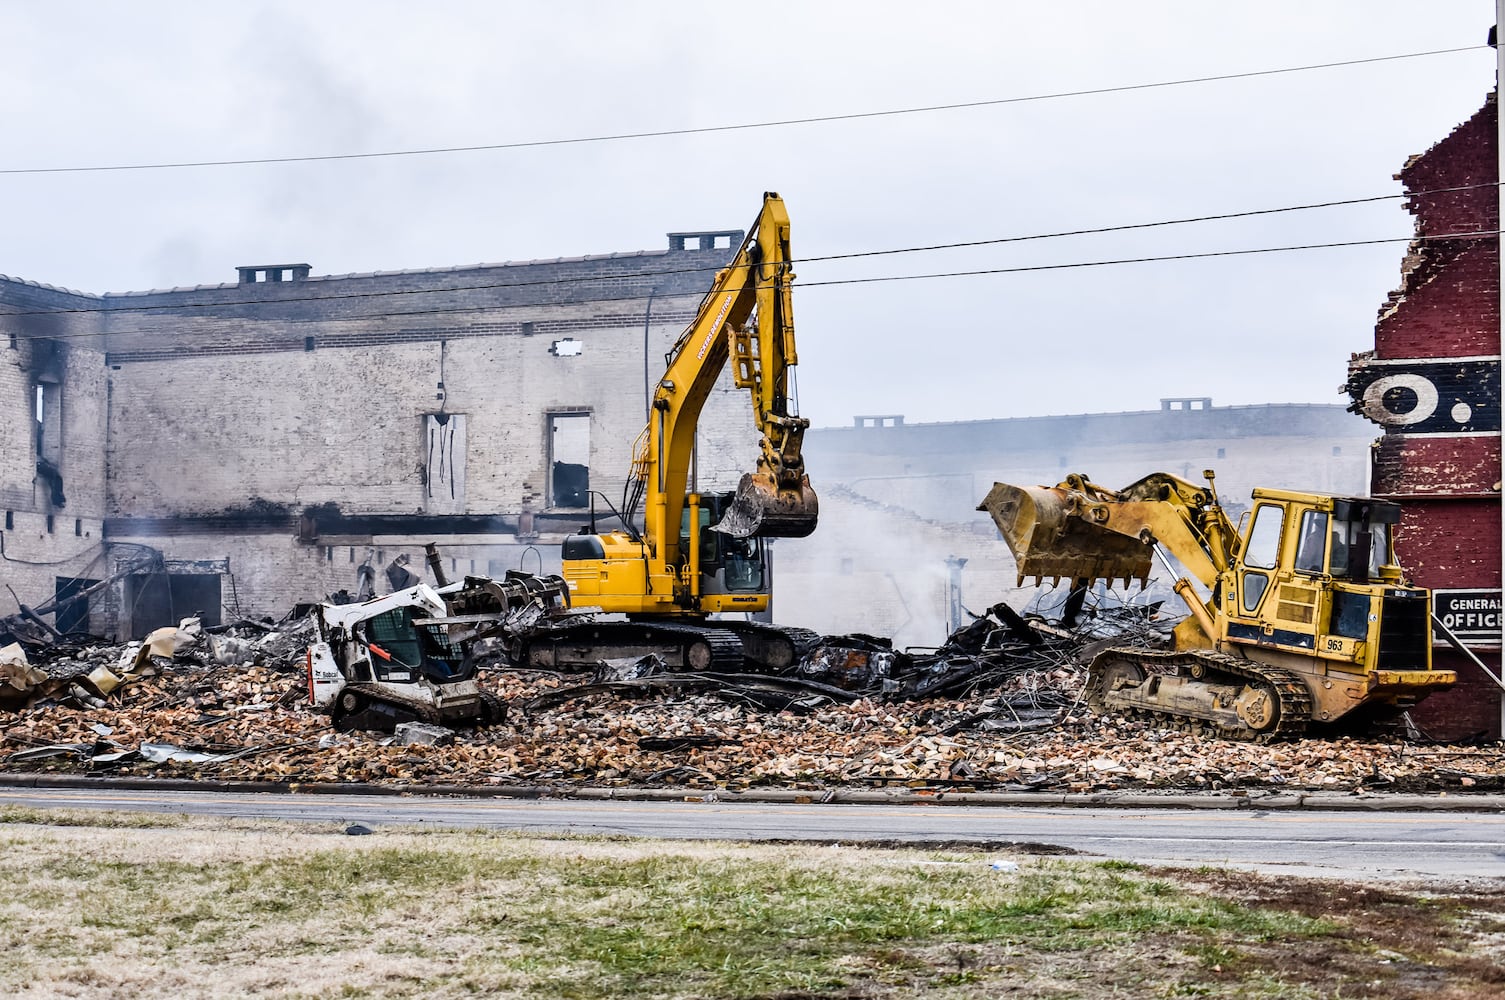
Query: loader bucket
{"x":761,"y":509}
{"x":1050,"y":540}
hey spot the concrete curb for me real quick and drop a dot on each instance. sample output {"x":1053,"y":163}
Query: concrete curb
{"x":1256,"y":802}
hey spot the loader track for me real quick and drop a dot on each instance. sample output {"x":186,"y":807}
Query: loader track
{"x":1293,"y":700}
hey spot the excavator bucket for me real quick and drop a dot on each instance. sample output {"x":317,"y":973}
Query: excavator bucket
{"x":761,"y":509}
{"x":1051,"y":541}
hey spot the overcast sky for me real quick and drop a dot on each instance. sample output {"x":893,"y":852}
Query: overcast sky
{"x":92,"y":84}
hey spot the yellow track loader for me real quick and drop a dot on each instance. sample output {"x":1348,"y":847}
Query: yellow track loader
{"x":1303,"y":616}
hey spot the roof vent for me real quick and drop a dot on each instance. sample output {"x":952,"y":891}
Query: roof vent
{"x":250,"y":274}
{"x":716,"y":239}
{"x":1186,"y":403}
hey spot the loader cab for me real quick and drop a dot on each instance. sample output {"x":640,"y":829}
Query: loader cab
{"x":1351,"y":542}
{"x":1317,"y":574}
{"x":403,"y":648}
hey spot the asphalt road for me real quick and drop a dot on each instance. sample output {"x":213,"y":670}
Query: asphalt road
{"x":1340,"y":844}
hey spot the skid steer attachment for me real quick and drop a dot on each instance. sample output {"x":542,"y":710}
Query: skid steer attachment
{"x":1050,"y":540}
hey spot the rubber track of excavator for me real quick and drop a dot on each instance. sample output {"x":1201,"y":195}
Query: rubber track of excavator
{"x":1290,"y":690}
{"x":599,"y":638}
{"x":801,"y":639}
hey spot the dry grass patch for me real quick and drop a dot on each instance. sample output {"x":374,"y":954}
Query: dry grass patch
{"x":192,"y":908}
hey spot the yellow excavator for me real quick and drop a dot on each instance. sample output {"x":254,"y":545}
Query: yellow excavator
{"x":1306,"y":617}
{"x":699,"y":554}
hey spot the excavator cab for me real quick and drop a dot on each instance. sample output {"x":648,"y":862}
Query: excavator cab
{"x":728,"y":564}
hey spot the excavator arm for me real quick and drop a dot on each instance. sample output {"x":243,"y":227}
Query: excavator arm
{"x":746,"y":317}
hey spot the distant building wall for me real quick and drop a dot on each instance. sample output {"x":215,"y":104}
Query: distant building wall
{"x":943,"y":469}
{"x":1433,"y":382}
{"x":899,"y":499}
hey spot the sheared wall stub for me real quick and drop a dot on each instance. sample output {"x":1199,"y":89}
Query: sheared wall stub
{"x":1433,"y":382}
{"x":52,"y":483}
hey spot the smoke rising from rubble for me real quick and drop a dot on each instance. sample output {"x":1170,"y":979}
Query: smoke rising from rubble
{"x":183,"y":82}
{"x":882,"y":570}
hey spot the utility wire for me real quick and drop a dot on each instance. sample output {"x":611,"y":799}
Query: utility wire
{"x":1147,"y":260}
{"x":1479,"y":235}
{"x":745,"y":126}
{"x":123,"y":310}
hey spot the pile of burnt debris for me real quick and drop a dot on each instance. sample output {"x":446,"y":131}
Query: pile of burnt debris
{"x":999,"y":705}
{"x":1017,"y":663}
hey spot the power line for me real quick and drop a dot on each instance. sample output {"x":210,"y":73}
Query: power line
{"x":745,"y":126}
{"x":1152,"y":225}
{"x":1479,"y":235}
{"x":485,"y":286}
{"x":1147,"y":260}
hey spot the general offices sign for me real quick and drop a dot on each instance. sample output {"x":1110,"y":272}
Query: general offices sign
{"x":1471,"y":615}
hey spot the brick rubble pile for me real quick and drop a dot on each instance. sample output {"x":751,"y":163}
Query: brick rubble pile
{"x":977,"y":726}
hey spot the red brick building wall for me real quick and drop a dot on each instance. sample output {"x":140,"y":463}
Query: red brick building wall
{"x":1433,"y":382}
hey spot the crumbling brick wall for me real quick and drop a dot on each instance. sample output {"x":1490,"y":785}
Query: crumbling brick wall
{"x":1433,"y":382}
{"x":52,"y":523}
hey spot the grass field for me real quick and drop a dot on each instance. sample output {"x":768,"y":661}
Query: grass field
{"x":112,"y":905}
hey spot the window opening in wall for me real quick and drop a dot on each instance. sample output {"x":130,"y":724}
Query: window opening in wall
{"x":526,"y":328}
{"x":156,"y":600}
{"x":1222,"y":452}
{"x":10,"y":520}
{"x":49,"y":420}
{"x":49,"y":415}
{"x":308,"y":343}
{"x":1337,"y":450}
{"x":49,"y":524}
{"x":444,"y":466}
{"x":569,"y":459}
{"x":13,"y":342}
{"x":78,"y":527}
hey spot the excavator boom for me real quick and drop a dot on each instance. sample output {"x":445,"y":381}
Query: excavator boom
{"x":701,"y":553}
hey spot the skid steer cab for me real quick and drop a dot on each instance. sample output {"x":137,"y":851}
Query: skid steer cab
{"x":391,"y":660}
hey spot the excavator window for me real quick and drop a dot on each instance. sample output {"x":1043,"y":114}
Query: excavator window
{"x":743,"y":565}
{"x":736,"y":562}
